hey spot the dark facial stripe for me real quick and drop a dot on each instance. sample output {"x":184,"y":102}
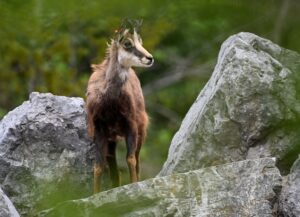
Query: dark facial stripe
{"x":136,"y":52}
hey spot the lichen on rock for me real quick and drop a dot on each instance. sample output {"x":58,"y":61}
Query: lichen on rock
{"x":45,"y":150}
{"x":244,"y":188}
{"x":248,"y":109}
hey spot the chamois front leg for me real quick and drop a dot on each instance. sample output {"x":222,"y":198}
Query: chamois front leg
{"x":112,"y":163}
{"x":100,"y":161}
{"x":131,"y":143}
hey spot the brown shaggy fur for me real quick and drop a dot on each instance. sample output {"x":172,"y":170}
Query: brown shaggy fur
{"x":116,"y":108}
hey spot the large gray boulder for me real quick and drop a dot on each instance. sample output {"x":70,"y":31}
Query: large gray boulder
{"x":7,"y":209}
{"x":45,"y":152}
{"x":245,"y":188}
{"x":289,"y":203}
{"x":248,"y":109}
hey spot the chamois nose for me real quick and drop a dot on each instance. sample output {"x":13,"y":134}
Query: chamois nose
{"x":150,"y":60}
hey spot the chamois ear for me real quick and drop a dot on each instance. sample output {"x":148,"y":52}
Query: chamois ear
{"x":119,"y":32}
{"x":118,"y":35}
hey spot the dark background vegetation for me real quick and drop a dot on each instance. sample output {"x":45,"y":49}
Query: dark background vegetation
{"x":48,"y":46}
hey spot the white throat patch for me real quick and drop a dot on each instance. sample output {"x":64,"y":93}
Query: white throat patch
{"x":123,"y":75}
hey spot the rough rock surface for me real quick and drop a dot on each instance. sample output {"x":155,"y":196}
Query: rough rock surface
{"x":248,"y":109}
{"x":44,"y":149}
{"x":7,"y":209}
{"x":245,"y":188}
{"x":289,"y":203}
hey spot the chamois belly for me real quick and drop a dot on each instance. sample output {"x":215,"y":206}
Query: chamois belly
{"x":113,"y":118}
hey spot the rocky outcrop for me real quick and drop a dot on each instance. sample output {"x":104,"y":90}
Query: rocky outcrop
{"x":289,"y":203}
{"x":7,"y":209}
{"x":45,"y":152}
{"x":245,"y":188}
{"x":221,"y":161}
{"x":249,"y":108}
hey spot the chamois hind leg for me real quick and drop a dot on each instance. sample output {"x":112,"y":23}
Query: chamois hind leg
{"x":112,"y":163}
{"x":100,"y":161}
{"x":141,"y":138}
{"x":131,"y":144}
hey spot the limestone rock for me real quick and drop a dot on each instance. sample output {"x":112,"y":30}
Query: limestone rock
{"x":290,"y":195}
{"x":7,"y":209}
{"x":45,"y":152}
{"x":248,"y":109}
{"x":245,"y":188}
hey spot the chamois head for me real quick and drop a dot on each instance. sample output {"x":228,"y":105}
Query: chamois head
{"x":129,"y":46}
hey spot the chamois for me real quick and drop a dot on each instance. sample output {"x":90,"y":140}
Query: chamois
{"x":115,"y":104}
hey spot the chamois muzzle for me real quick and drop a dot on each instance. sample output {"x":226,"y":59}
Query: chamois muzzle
{"x":150,"y":61}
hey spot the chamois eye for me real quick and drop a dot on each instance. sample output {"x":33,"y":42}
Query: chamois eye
{"x":127,"y":44}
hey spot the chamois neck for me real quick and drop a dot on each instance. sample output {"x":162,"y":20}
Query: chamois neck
{"x":116,"y":74}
